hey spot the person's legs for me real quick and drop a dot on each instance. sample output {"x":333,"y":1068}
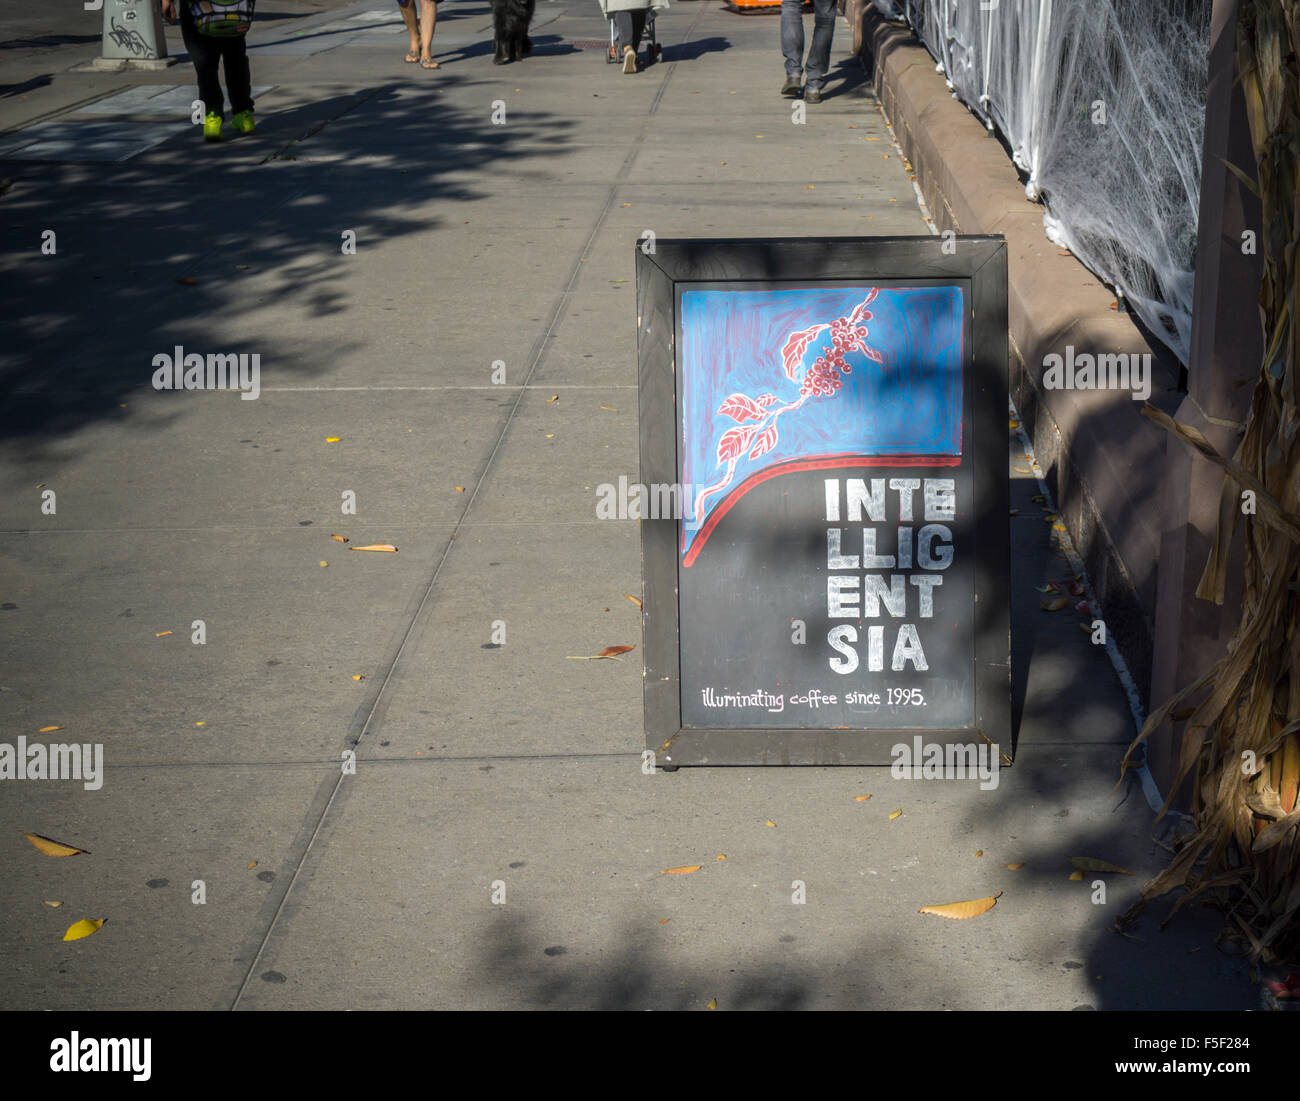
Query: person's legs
{"x":623,"y":29}
{"x":407,"y":8}
{"x":819,"y":54}
{"x":206,"y":57}
{"x":428,"y":20}
{"x":638,"y":28}
{"x":792,"y":37}
{"x":239,"y":80}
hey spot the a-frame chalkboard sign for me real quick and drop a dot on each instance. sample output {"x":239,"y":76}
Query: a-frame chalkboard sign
{"x":823,"y":497}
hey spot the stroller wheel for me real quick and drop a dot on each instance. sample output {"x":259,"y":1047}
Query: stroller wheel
{"x":611,"y":56}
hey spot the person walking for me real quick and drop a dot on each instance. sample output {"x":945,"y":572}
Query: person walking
{"x":819,"y":54}
{"x":421,"y":31}
{"x":629,"y":17}
{"x":214,"y":33}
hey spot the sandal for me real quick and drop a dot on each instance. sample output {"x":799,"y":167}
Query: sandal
{"x":412,"y":56}
{"x":428,"y":63}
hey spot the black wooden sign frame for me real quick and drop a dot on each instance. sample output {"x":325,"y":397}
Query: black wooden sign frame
{"x":977,"y":265}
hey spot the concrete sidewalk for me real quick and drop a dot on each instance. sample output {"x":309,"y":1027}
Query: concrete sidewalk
{"x":480,"y":766}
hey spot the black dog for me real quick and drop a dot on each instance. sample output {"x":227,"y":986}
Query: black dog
{"x":510,"y":19}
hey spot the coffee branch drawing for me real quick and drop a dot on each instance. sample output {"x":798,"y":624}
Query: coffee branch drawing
{"x":755,"y":429}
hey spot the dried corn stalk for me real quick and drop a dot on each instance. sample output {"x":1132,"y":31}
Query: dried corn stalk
{"x":1242,"y":735}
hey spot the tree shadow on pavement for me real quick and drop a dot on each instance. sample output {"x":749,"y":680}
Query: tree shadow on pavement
{"x":86,"y":322}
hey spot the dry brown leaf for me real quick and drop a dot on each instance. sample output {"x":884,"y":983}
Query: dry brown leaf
{"x":1090,"y":864}
{"x":634,"y":600}
{"x":979,"y":852}
{"x":50,"y":847}
{"x":1076,"y":877}
{"x":664,"y":921}
{"x":188,"y":281}
{"x":1057,"y":604}
{"x":685,"y":869}
{"x":378,"y":547}
{"x":960,"y":911}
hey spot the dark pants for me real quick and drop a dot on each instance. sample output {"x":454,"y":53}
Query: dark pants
{"x":792,"y":40}
{"x":209,"y":51}
{"x":630,"y":26}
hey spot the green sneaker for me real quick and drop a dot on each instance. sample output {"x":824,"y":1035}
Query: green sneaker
{"x":244,"y":123}
{"x":212,"y":127}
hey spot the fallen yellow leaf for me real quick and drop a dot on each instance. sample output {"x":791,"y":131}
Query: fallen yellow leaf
{"x":83,"y":928}
{"x":1015,"y":867}
{"x":459,"y":489}
{"x":960,"y":911}
{"x":634,"y":600}
{"x":771,"y":823}
{"x":324,"y":564}
{"x":979,"y":852}
{"x":553,"y":397}
{"x":722,"y":856}
{"x":713,"y":1004}
{"x":609,"y":409}
{"x":161,"y":634}
{"x":1076,"y":876}
{"x":202,"y":722}
{"x":378,"y":547}
{"x":50,"y":847}
{"x":358,"y":676}
{"x":47,"y":729}
{"x":250,"y":864}
{"x":1056,"y":605}
{"x":51,"y":902}
{"x":664,"y":921}
{"x":333,"y":439}
{"x":685,"y":869}
{"x":1089,"y":864}
{"x":339,"y":538}
{"x":895,"y":814}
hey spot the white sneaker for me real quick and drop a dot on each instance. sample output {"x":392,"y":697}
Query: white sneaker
{"x":629,"y":60}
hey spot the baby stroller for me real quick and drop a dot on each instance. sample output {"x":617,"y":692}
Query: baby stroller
{"x":653,"y":50}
